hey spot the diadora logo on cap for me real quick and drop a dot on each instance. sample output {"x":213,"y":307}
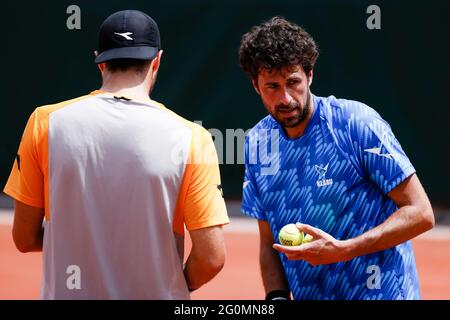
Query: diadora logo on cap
{"x":381,"y":149}
{"x":126,"y":35}
{"x":322,"y":171}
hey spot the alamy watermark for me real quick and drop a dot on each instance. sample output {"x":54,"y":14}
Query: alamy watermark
{"x":73,"y":281}
{"x":374,"y":280}
{"x":374,"y":20}
{"x":229,"y":148}
{"x":73,"y":21}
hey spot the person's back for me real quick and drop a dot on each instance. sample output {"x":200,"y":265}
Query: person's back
{"x":121,"y":177}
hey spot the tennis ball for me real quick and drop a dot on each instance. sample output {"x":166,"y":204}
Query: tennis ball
{"x":290,"y":235}
{"x":307,"y":238}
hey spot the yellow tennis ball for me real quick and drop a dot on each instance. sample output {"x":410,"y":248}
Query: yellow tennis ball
{"x":307,"y":238}
{"x":290,"y":235}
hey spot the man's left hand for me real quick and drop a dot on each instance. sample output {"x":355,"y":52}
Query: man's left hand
{"x":324,"y":249}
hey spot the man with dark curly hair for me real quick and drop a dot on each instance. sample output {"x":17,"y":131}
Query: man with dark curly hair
{"x":334,"y":167}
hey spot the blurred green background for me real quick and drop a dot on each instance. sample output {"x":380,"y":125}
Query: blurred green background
{"x":401,"y":70}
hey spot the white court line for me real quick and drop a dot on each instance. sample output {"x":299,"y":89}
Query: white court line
{"x":437,"y":233}
{"x":6,"y":217}
{"x":242,"y":225}
{"x":250,"y":226}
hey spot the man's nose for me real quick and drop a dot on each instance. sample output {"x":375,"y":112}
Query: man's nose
{"x":285,"y":97}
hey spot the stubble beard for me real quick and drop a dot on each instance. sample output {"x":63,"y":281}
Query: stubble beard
{"x":295,"y":120}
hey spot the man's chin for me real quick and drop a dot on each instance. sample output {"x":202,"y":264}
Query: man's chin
{"x":289,"y":122}
{"x":292,"y":124}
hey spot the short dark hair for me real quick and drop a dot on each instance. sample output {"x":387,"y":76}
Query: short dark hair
{"x":274,"y":44}
{"x":127,"y":64}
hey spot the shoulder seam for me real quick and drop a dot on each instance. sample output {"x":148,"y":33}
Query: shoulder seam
{"x":62,"y":104}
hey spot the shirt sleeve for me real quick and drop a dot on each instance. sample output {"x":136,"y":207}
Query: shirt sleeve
{"x":379,"y":152}
{"x":251,"y":202}
{"x":26,"y":181}
{"x":204,"y":203}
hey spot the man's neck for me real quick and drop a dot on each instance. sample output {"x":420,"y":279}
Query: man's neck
{"x":130,"y":93}
{"x":126,"y":86}
{"x":298,"y":131}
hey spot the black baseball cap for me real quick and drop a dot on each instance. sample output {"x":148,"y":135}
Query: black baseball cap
{"x":128,"y":34}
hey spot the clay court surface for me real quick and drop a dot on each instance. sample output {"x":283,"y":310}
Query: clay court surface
{"x":20,"y":274}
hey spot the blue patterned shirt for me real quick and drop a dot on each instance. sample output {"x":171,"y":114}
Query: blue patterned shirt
{"x":335,"y":177}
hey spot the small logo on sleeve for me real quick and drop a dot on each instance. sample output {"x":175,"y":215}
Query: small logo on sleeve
{"x":219,"y":186}
{"x":18,"y":161}
{"x":381,"y":149}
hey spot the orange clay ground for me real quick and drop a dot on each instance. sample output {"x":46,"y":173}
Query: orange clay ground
{"x":20,"y":274}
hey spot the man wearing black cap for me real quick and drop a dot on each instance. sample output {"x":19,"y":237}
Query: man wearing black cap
{"x":117,"y":177}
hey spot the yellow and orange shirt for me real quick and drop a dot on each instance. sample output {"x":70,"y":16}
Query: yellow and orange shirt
{"x":119,"y":180}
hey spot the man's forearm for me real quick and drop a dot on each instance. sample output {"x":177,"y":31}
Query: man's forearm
{"x":38,"y":244}
{"x":198,"y":272}
{"x":40,"y":241}
{"x":27,"y":230}
{"x":32,"y":244}
{"x":207,"y":256}
{"x":404,"y":224}
{"x":272,"y":271}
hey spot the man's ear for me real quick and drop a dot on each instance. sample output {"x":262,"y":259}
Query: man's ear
{"x":156,"y":62}
{"x":255,"y":86}
{"x":310,"y":77}
{"x":101,"y":67}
